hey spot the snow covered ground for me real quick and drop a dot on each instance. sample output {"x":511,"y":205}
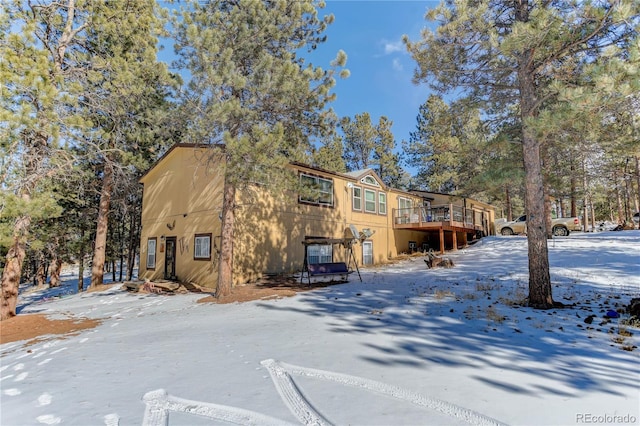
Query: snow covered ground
{"x":406,"y":346}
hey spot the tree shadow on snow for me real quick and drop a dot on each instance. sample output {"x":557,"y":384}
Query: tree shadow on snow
{"x":440,"y":318}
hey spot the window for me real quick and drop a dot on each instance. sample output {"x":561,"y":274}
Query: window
{"x":369,"y":201}
{"x":367,"y":253}
{"x":151,"y":253}
{"x":202,"y":247}
{"x":321,"y":189}
{"x":320,"y":254}
{"x":326,"y":191}
{"x":357,"y":198}
{"x":404,"y":203}
{"x":382,"y":203}
{"x":307,"y":182}
{"x":369,"y":180}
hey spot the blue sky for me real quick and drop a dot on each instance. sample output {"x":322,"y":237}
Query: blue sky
{"x":370,"y":32}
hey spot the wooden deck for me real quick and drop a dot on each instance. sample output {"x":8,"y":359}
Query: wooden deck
{"x":441,"y":219}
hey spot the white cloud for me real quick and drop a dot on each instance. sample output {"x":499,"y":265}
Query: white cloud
{"x":392,"y":47}
{"x":397,"y":65}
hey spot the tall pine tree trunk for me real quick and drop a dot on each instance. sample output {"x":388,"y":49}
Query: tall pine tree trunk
{"x":574,"y":208}
{"x":36,"y":144}
{"x":539,"y":277}
{"x":81,"y":262}
{"x":102,"y":226}
{"x":508,"y":201}
{"x":628,"y":191}
{"x":637,"y":200}
{"x":547,"y":211}
{"x":41,"y":271}
{"x":56,"y":269}
{"x":13,"y":266}
{"x":131,"y":252}
{"x":122,"y":245}
{"x":585,"y":200}
{"x":618,"y":197}
{"x":225,"y":266}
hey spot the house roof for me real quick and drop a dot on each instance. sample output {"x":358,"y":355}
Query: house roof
{"x":170,"y":150}
{"x":359,"y":173}
{"x":355,"y":175}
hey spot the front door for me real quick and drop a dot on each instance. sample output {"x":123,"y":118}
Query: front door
{"x":170,"y":259}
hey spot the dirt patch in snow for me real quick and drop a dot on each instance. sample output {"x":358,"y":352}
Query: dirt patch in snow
{"x":268,"y":288}
{"x":35,"y":326}
{"x":31,"y":326}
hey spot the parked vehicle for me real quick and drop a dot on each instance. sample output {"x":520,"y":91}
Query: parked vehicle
{"x":561,"y":226}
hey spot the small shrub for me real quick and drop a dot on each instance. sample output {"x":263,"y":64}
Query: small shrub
{"x":618,"y":339}
{"x":441,"y":294}
{"x":631,"y":322}
{"x":493,"y":315}
{"x":485,"y":287}
{"x":624,"y":331}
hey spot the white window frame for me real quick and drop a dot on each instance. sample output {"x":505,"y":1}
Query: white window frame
{"x":382,"y":203}
{"x":356,"y":198}
{"x":324,"y":188}
{"x":320,"y":253}
{"x":366,"y":209}
{"x":152,"y":244}
{"x":370,"y":180}
{"x":367,"y":245}
{"x":402,"y":201}
{"x":202,"y":247}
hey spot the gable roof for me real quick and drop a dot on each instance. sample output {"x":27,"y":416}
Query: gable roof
{"x":361,"y":175}
{"x":355,"y":176}
{"x":170,"y":150}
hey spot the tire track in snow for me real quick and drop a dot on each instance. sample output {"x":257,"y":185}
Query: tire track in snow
{"x":159,"y":403}
{"x":281,"y":375}
{"x":292,"y":396}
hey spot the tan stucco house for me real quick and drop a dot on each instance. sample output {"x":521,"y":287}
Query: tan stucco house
{"x":181,"y":224}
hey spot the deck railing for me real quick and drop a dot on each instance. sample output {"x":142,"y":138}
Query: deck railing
{"x":452,"y":215}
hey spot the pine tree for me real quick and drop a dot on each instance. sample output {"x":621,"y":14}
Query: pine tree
{"x":125,"y":100}
{"x":371,"y":146}
{"x":449,"y":146}
{"x":387,"y":162}
{"x":37,"y":102}
{"x":359,"y":141}
{"x":329,"y":155}
{"x":251,"y":91}
{"x":513,"y":55}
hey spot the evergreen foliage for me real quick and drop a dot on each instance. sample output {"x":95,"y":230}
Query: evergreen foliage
{"x":525,"y":56}
{"x":369,"y":146}
{"x":329,"y":155}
